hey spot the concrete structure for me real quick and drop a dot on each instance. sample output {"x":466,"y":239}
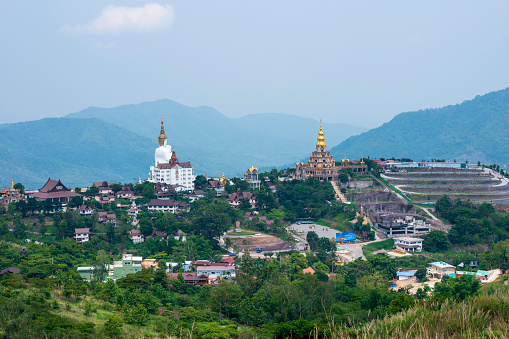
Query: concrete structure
{"x":166,"y":205}
{"x":394,"y":224}
{"x":11,"y":195}
{"x":439,"y":269}
{"x":167,"y":167}
{"x":128,"y":264}
{"x":81,"y":235}
{"x":408,"y":244}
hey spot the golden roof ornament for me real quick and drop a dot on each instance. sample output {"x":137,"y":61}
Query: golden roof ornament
{"x":320,"y":142}
{"x":223,"y":180}
{"x":162,"y":137}
{"x":12,"y":184}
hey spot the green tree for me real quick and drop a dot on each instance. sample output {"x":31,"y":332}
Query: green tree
{"x":436,"y":241}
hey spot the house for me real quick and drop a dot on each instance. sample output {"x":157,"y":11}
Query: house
{"x":308,"y":270}
{"x":408,"y":244}
{"x":12,"y":270}
{"x":195,"y":195}
{"x":439,"y":269}
{"x":127,"y":265}
{"x":149,"y":263}
{"x":107,"y":217}
{"x":191,"y":278}
{"x":216,"y":271}
{"x":166,"y":205}
{"x":136,"y":236}
{"x":236,"y":197}
{"x":217,"y":185}
{"x":249,"y":215}
{"x":81,"y":235}
{"x":179,"y":235}
{"x":160,"y":235}
{"x":85,"y":210}
{"x":406,"y":275}
{"x":125,"y":193}
{"x":251,"y":176}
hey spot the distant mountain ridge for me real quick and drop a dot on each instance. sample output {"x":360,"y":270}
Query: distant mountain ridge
{"x":119,"y":143}
{"x":216,"y":143}
{"x":475,"y":130}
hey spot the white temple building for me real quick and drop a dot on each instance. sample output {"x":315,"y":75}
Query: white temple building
{"x":168,"y":169}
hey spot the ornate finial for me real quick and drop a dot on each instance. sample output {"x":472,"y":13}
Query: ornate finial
{"x":12,"y":184}
{"x":162,"y":136}
{"x":320,"y":142}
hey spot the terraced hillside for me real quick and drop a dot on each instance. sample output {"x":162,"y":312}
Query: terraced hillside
{"x":426,"y":185}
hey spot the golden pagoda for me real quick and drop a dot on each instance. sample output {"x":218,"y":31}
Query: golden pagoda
{"x":162,"y":137}
{"x":320,"y":141}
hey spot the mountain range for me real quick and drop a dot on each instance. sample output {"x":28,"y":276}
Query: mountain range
{"x":118,"y":143}
{"x":475,"y":130}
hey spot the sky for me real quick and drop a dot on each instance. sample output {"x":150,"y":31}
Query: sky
{"x":354,"y":62}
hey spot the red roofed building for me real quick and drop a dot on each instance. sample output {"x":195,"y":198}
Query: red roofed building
{"x":55,"y":191}
{"x":235,"y":198}
{"x":191,"y":278}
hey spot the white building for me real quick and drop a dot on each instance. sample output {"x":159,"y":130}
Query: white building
{"x":408,"y":244}
{"x":166,"y":205}
{"x":167,"y":167}
{"x":136,"y":236}
{"x":81,"y":235}
{"x":216,"y":271}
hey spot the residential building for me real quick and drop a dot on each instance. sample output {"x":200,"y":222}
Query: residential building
{"x":133,"y":211}
{"x":406,"y":275}
{"x":158,"y":235}
{"x":136,"y":236}
{"x":251,"y":177}
{"x":149,"y":263}
{"x":167,"y":167}
{"x":127,"y":265}
{"x":81,"y":235}
{"x":408,"y":244}
{"x":85,"y":210}
{"x":125,"y":193}
{"x":166,"y":205}
{"x":192,"y":278}
{"x":179,"y":235}
{"x":12,"y":270}
{"x":439,"y":269}
{"x":236,"y":197}
{"x":308,"y":270}
{"x":216,"y":271}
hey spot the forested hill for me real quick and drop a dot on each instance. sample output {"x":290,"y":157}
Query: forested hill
{"x":78,"y":151}
{"x":216,"y":143}
{"x":475,"y":130}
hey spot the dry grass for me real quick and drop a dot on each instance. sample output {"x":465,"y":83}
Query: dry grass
{"x":485,"y":316}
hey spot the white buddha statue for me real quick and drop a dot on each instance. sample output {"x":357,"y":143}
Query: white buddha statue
{"x":163,"y":152}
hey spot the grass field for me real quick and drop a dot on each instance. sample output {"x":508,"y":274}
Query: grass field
{"x":340,"y":221}
{"x":376,"y":246}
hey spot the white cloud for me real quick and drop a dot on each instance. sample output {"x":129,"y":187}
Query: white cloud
{"x":115,"y":19}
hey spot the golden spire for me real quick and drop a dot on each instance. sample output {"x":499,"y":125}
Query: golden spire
{"x":320,"y":142}
{"x":223,"y":180}
{"x":162,"y":136}
{"x":12,"y":184}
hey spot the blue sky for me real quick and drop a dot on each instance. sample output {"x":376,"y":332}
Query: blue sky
{"x":357,"y":62}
